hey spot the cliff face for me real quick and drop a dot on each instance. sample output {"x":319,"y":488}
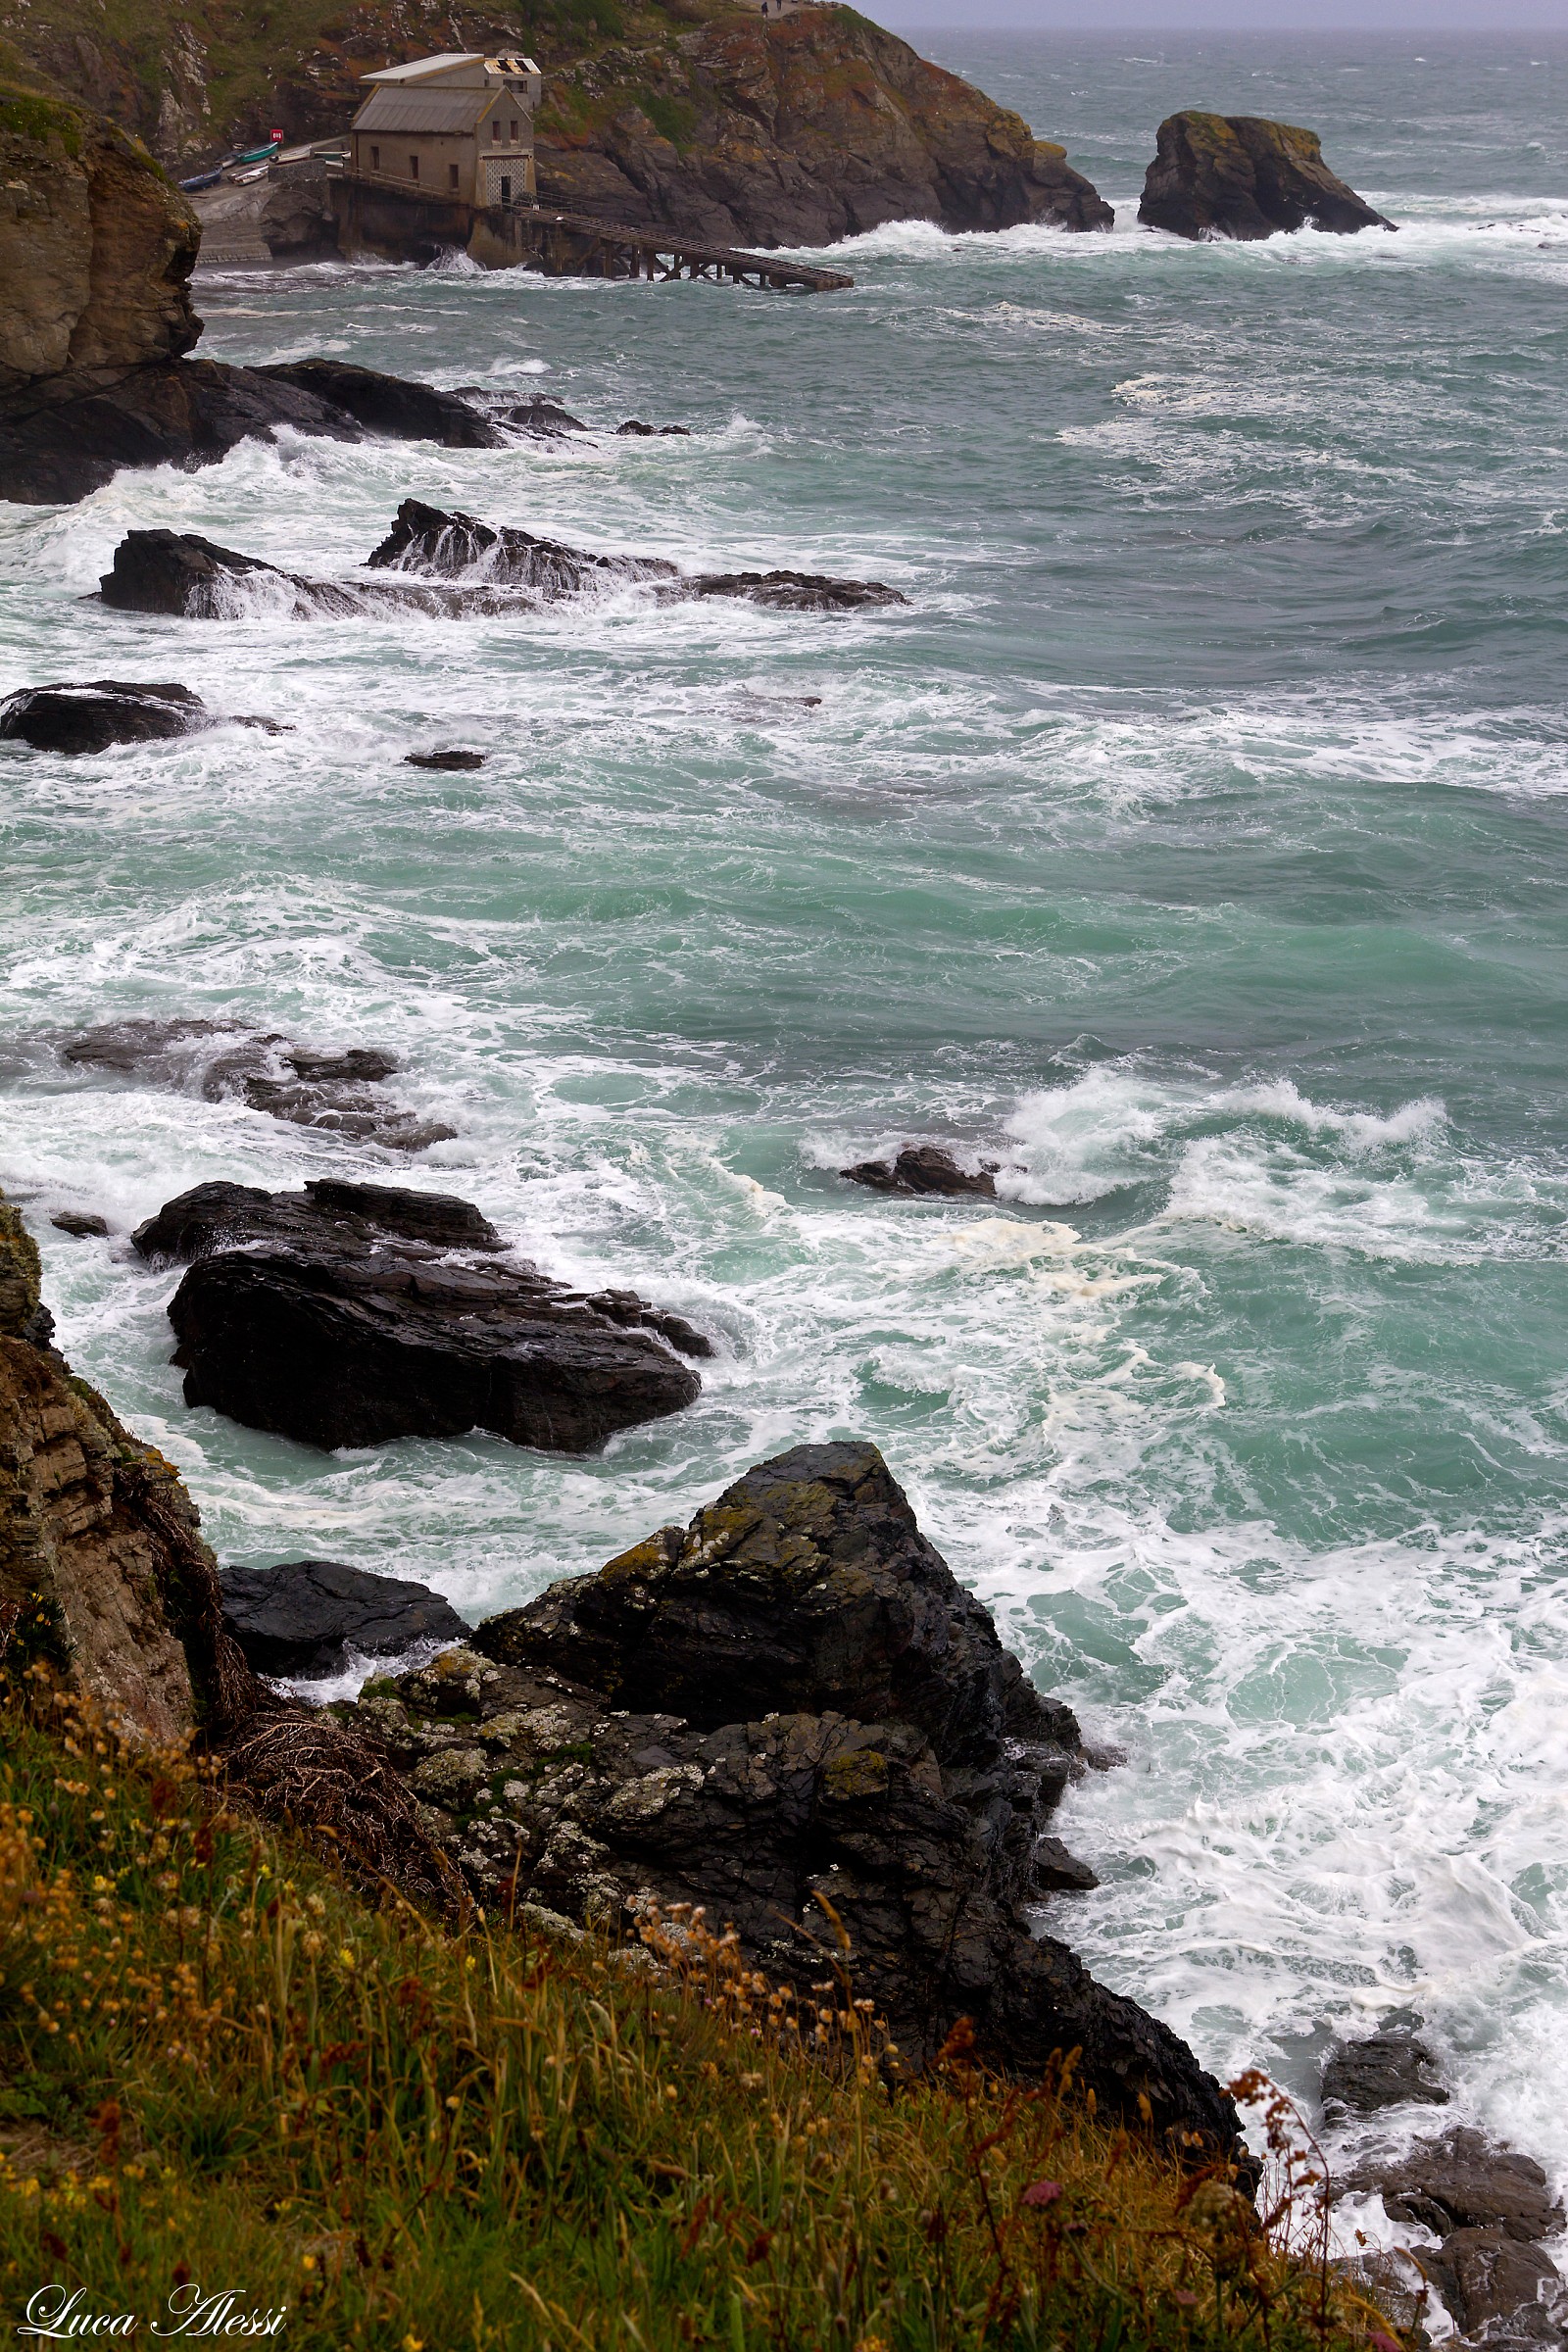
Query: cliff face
{"x":96,"y":249}
{"x":103,"y":1570}
{"x":694,"y":115}
{"x":767,"y":133}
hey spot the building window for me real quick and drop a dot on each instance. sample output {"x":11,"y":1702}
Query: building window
{"x":376,"y":159}
{"x":512,"y":130}
{"x":495,"y":127}
{"x":451,"y":176}
{"x":414,"y":167}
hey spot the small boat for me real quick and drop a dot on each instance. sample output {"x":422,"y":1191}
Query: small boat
{"x":259,"y":155}
{"x":203,"y":179}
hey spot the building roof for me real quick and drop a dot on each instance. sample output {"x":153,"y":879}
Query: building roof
{"x":454,"y":111}
{"x":426,"y":69}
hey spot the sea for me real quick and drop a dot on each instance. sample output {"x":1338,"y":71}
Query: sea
{"x":1193,"y":846}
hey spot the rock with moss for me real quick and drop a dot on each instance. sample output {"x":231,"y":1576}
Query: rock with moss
{"x":1243,"y":176}
{"x":790,"y":1714}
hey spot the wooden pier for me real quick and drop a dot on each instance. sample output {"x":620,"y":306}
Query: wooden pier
{"x":379,"y":216}
{"x":575,"y":245}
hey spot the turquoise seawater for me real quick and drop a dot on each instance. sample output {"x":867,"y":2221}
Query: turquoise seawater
{"x":1195,"y":844}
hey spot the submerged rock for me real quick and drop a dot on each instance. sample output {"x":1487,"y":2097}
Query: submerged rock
{"x":82,"y":1224}
{"x":352,"y":1315}
{"x":635,"y":426}
{"x":1242,"y":175}
{"x":789,"y":1705}
{"x":300,"y":1084}
{"x":191,"y":578}
{"x":304,"y":1616}
{"x":924,"y":1168}
{"x":796,"y":591}
{"x":453,"y":762}
{"x":1384,"y":2070}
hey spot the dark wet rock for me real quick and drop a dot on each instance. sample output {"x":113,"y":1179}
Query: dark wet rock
{"x":1494,"y":2287}
{"x":924,"y":1168}
{"x":100,"y":712}
{"x":191,"y":578}
{"x":1240,"y":175}
{"x":1466,"y":2182}
{"x":304,"y":1616}
{"x":389,"y":406}
{"x":426,"y":539}
{"x":81,"y":1224}
{"x":91,"y":715}
{"x":635,"y":426}
{"x":74,"y":433}
{"x":451,"y":761}
{"x":331,"y":1091}
{"x":1057,"y":1872}
{"x":232,"y":1216}
{"x":1384,"y":2070}
{"x":790,"y":1702}
{"x":1490,"y":2207}
{"x":544,"y":417}
{"x":796,"y":591}
{"x":352,"y":1314}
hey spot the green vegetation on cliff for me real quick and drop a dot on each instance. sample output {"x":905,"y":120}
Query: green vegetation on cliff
{"x":223,"y":2069}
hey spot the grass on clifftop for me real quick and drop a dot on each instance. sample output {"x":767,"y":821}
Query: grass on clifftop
{"x":224,"y":2070}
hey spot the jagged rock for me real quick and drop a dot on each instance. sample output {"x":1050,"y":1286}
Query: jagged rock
{"x":635,"y":426}
{"x":1057,"y":1872}
{"x":1384,"y":2070}
{"x":307,"y":1087}
{"x":452,"y":762}
{"x":796,"y":591}
{"x":1490,"y":2207}
{"x":545,"y":418}
{"x":191,"y":578}
{"x":924,"y":1168}
{"x":81,"y":1224}
{"x":336,"y":1316}
{"x":1465,"y":2181}
{"x":425,"y":539}
{"x":389,"y":406}
{"x":103,"y":1570}
{"x":304,"y":1616}
{"x":1240,"y":175}
{"x":100,"y":712}
{"x":792,"y":1699}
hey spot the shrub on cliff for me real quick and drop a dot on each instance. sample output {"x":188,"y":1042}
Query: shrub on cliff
{"x":224,"y":2071}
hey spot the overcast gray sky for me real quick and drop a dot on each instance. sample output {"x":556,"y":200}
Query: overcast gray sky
{"x":1252,"y":15}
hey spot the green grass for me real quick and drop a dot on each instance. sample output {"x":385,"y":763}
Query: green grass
{"x":225,"y":2069}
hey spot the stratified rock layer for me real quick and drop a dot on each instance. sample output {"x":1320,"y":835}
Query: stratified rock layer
{"x":352,"y":1315}
{"x":790,"y":1713}
{"x":1243,"y":176}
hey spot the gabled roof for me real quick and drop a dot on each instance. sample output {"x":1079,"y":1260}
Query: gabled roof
{"x":427,"y":68}
{"x":420,"y":110}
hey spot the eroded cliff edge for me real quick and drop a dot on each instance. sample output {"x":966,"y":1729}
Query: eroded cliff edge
{"x":789,"y":1712}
